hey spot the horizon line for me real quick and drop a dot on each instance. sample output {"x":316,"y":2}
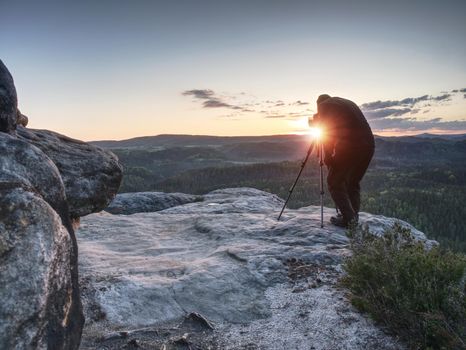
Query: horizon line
{"x":392,"y":134}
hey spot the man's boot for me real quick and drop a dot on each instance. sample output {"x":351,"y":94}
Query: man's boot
{"x":347,"y":215}
{"x":340,"y":221}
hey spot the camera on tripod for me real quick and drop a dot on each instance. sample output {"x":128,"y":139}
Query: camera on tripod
{"x":315,"y":128}
{"x":312,"y":121}
{"x":316,"y":132}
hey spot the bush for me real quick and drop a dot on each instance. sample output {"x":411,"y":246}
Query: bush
{"x":417,"y":293}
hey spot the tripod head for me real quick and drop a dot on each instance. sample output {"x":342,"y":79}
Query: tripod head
{"x":315,"y":128}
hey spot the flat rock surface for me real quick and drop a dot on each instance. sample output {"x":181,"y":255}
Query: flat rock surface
{"x":263,"y":284}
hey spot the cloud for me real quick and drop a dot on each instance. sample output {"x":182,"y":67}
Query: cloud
{"x":441,"y":97}
{"x":211,"y":100}
{"x":199,"y":93}
{"x":398,"y":115}
{"x":386,"y":112}
{"x":242,"y":103}
{"x":411,"y":124}
{"x":299,"y":103}
{"x":215,"y":103}
{"x":382,"y":115}
{"x":409,"y":101}
{"x":396,"y":108}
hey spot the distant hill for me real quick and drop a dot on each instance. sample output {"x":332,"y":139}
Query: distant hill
{"x":166,"y":155}
{"x":425,"y":137}
{"x":174,"y":140}
{"x":167,"y":140}
{"x":458,"y":137}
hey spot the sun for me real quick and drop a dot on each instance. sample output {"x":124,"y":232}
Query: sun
{"x":315,"y":133}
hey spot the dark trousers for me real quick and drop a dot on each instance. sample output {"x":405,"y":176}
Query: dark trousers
{"x":346,"y":171}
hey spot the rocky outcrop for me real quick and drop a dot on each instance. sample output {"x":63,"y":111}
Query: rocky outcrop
{"x":8,"y":101}
{"x":90,"y":174}
{"x":260,"y":282}
{"x":38,"y":255}
{"x":144,"y":202}
{"x":40,"y":298}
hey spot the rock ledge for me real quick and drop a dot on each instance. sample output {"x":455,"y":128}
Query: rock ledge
{"x":261,"y":282}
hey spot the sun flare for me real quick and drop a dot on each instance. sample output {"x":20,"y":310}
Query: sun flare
{"x":315,"y":133}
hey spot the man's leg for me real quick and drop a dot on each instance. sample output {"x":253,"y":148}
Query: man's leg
{"x":337,"y":185}
{"x":355,"y":176}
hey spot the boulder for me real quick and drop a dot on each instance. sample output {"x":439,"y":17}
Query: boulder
{"x":47,"y":181}
{"x":28,"y":167}
{"x":41,"y":305}
{"x":259,"y":281}
{"x":90,"y":174}
{"x":142,"y":202}
{"x":8,"y":101}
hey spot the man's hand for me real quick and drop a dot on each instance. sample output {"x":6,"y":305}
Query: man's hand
{"x":313,"y":120}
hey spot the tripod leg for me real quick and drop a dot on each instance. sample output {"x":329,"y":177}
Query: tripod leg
{"x":321,"y":165}
{"x":303,"y":164}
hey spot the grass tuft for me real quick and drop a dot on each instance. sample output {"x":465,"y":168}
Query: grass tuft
{"x":416,"y":292}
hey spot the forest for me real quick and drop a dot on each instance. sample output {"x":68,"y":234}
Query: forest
{"x":420,"y":180}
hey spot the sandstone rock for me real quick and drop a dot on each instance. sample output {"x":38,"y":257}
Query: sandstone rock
{"x":22,"y":119}
{"x":47,"y":181}
{"x":38,"y":254}
{"x":24,"y":165}
{"x":91,"y":175}
{"x":142,"y":202}
{"x":228,"y":259}
{"x":8,"y":101}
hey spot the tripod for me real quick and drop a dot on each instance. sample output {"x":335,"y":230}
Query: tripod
{"x":320,"y":155}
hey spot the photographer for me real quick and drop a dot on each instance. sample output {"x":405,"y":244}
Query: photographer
{"x":348,"y":147}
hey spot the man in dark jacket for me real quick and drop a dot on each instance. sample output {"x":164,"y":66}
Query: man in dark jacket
{"x":348,"y":147}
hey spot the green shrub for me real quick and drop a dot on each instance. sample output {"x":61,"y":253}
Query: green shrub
{"x":416,"y":292}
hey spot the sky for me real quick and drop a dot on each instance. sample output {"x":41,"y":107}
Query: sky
{"x":115,"y":69}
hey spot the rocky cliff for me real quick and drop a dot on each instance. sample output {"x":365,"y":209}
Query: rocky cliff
{"x":221,"y":273}
{"x":47,"y":182}
{"x":168,"y":271}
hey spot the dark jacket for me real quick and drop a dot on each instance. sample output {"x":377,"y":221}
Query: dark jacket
{"x":345,"y":127}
